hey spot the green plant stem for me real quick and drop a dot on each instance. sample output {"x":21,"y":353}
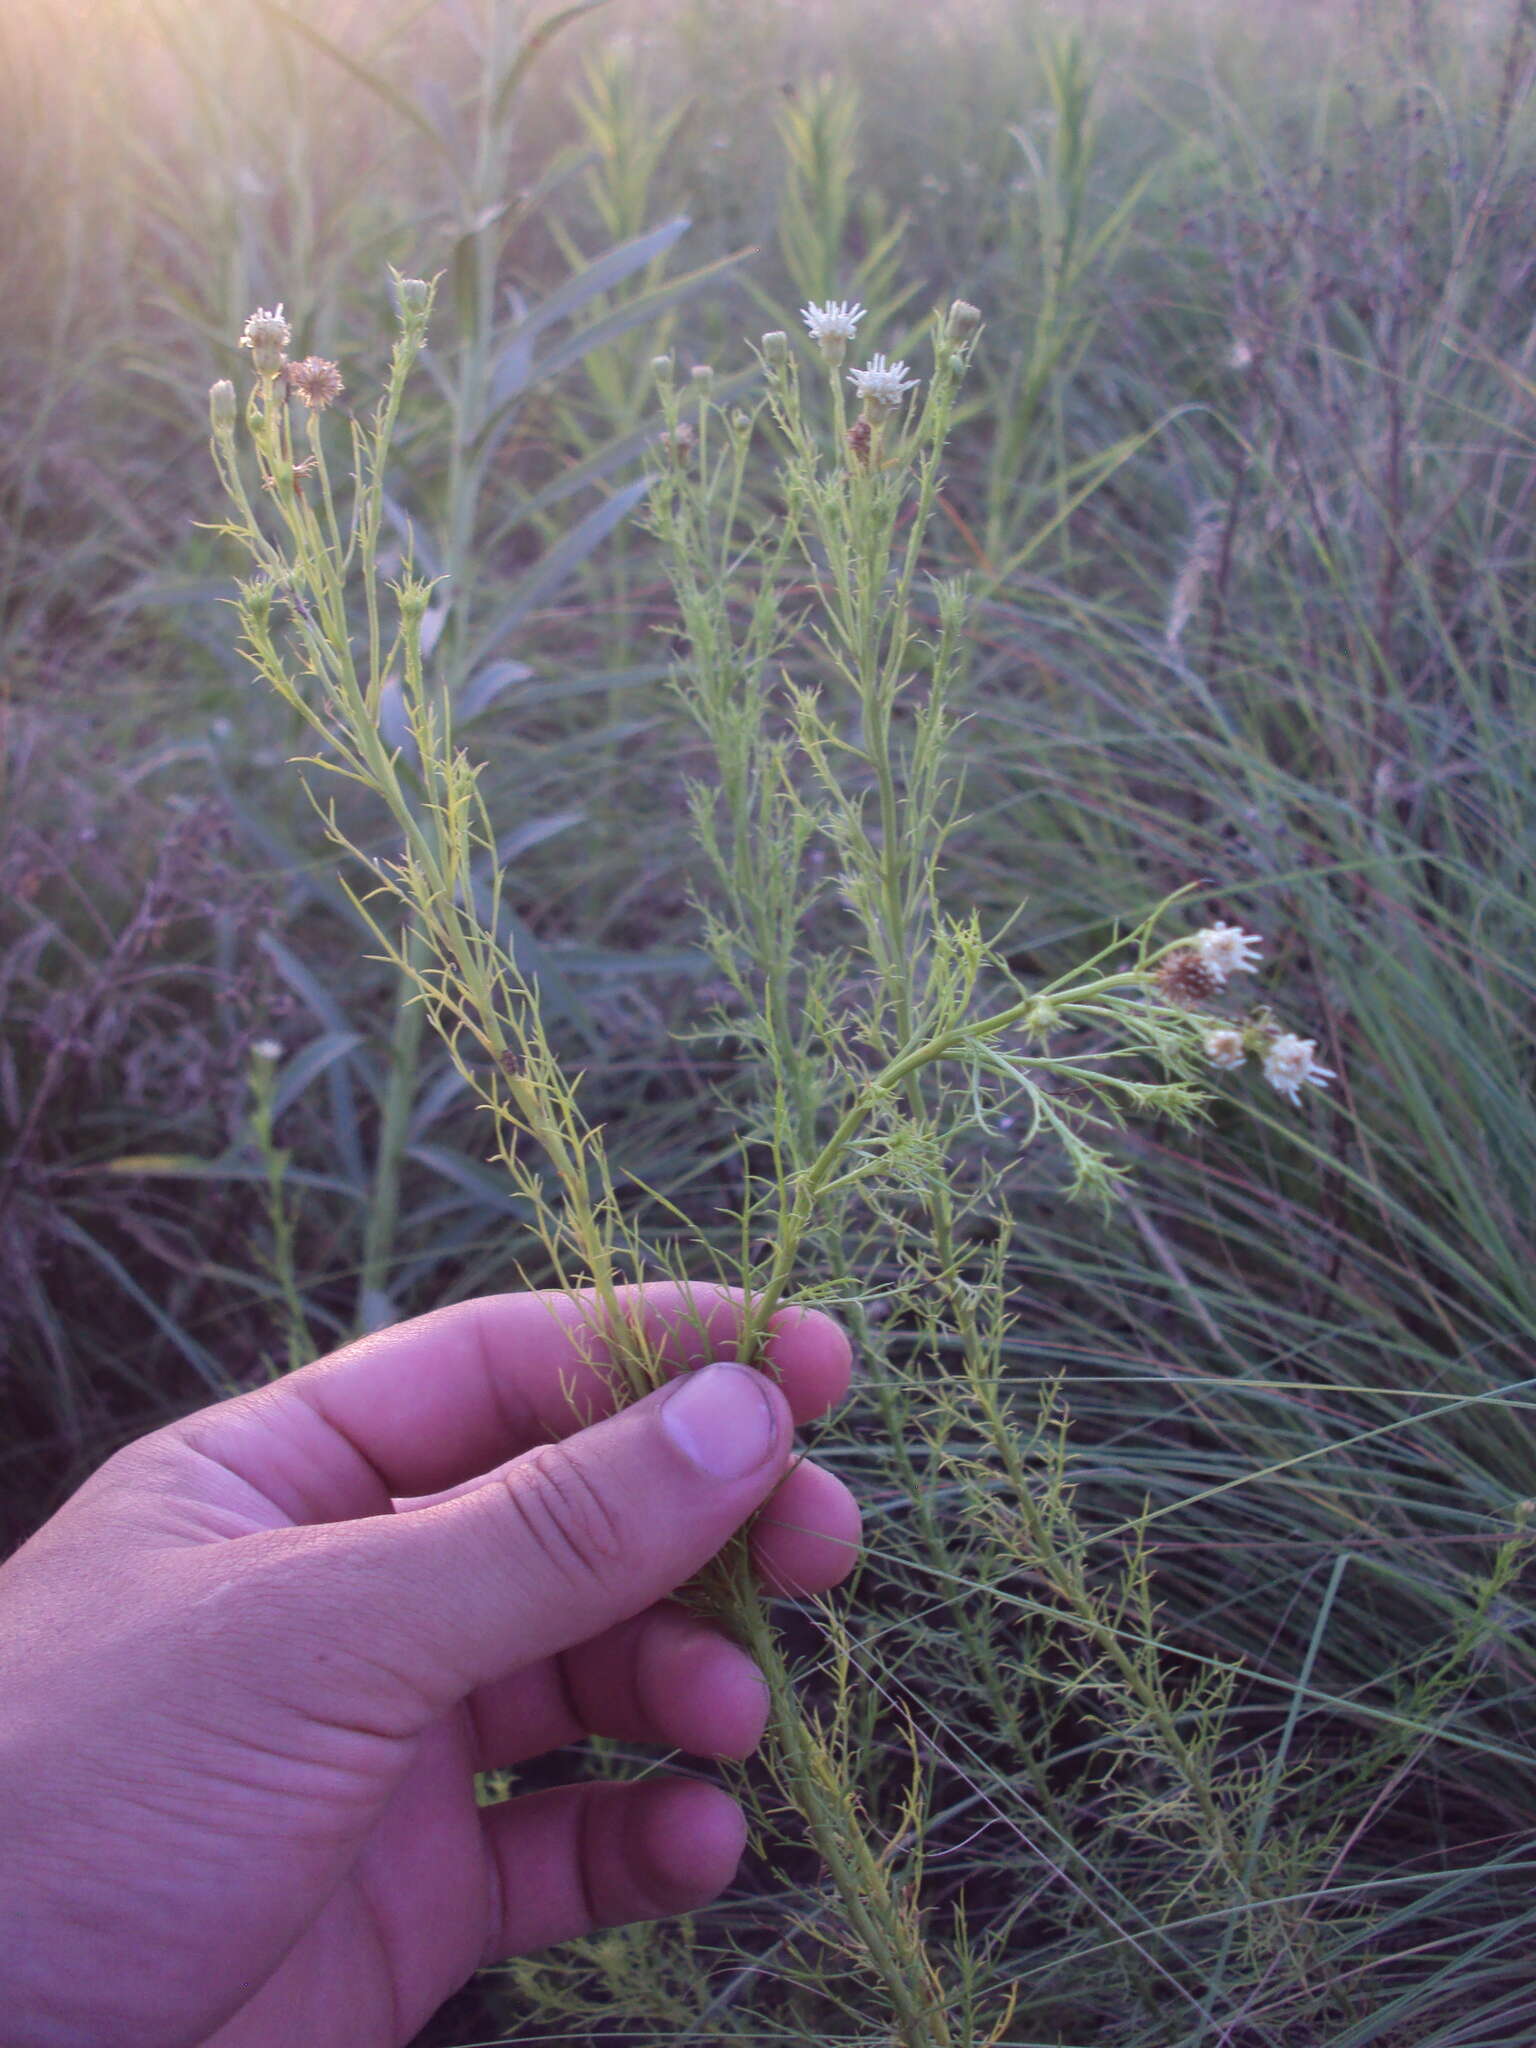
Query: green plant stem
{"x":862,"y":1879}
{"x":394,"y":1132}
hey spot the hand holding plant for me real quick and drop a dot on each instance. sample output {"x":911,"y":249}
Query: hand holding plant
{"x":886,"y":1042}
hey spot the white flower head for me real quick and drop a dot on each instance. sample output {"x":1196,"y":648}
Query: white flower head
{"x":266,"y":1049}
{"x":1228,"y":949}
{"x":882,"y":385}
{"x":1225,"y":1048}
{"x":832,"y":327}
{"x":1292,"y":1062}
{"x":837,"y":320}
{"x":267,"y":335}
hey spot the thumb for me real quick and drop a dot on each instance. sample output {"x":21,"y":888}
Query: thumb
{"x":554,"y":1548}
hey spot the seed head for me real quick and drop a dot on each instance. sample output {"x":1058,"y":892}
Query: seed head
{"x":1185,"y":979}
{"x":882,"y":386}
{"x":1225,"y":1048}
{"x":316,"y":381}
{"x":1291,"y":1063}
{"x":1227,"y":949}
{"x":267,"y":335}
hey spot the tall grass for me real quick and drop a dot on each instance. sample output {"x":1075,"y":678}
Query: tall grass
{"x":1200,"y":1618}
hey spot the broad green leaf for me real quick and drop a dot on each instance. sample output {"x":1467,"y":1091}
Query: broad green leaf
{"x":366,"y":74}
{"x":314,"y":1059}
{"x":599,"y":276}
{"x":560,"y":563}
{"x":534,"y":48}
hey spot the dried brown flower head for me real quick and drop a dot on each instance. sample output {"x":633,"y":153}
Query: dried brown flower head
{"x":1185,"y":979}
{"x":860,"y":438}
{"x":316,"y":381}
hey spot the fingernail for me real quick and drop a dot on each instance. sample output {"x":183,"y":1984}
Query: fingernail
{"x":719,"y":1417}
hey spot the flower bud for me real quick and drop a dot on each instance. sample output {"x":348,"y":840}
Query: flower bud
{"x":776,"y":348}
{"x":702,"y":374}
{"x":661,"y":370}
{"x":413,"y":597}
{"x":221,"y":407}
{"x":964,"y":319}
{"x":415,"y":297}
{"x":256,"y":605}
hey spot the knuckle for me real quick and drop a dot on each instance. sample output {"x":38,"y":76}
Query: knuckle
{"x":564,"y":1515}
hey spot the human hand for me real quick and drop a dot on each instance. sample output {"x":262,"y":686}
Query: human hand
{"x":247,"y":1673}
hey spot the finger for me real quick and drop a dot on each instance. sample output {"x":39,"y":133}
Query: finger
{"x":430,"y":1403}
{"x":399,"y":1616}
{"x":806,"y":1539}
{"x":664,"y":1676}
{"x":590,"y":1856}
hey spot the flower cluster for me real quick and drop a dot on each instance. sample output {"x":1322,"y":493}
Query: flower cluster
{"x":1199,"y":968}
{"x":882,"y":385}
{"x":1202,"y":968}
{"x":315,"y":380}
{"x":1290,"y":1063}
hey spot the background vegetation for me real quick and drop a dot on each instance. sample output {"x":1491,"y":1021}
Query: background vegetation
{"x":1243,"y":487}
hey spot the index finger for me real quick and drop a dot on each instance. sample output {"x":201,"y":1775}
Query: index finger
{"x":425,"y":1404}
